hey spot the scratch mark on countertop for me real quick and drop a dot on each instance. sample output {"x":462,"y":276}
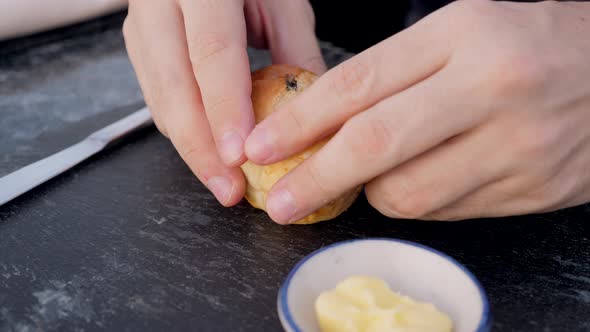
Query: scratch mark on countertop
{"x":136,"y":302}
{"x":565,"y":262}
{"x":159,"y":220}
{"x":577,"y":278}
{"x":579,"y":295}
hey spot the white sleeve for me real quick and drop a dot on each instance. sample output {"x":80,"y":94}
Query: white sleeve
{"x":23,"y":17}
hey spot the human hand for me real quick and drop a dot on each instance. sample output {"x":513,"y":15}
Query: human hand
{"x":191,"y":61}
{"x":479,"y":110}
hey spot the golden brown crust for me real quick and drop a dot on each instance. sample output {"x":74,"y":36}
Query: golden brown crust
{"x":272,"y":86}
{"x":276,"y":84}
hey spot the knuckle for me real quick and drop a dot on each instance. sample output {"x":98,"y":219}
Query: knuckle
{"x":295,"y":121}
{"x":206,"y":45}
{"x":517,"y":73}
{"x":312,"y":172}
{"x":187,"y":151}
{"x":376,"y":199}
{"x":410,"y":206}
{"x":353,"y":80}
{"x":185,"y":145}
{"x":536,"y":140}
{"x":539,"y":191}
{"x":543,"y":194}
{"x":158,"y":90}
{"x":376,"y":140}
{"x":398,"y":201}
{"x":222,"y":111}
{"x":219,"y":105}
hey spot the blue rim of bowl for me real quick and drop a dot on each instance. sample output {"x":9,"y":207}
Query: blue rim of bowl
{"x":486,"y":316}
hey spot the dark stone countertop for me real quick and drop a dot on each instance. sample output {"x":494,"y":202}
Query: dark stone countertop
{"x":130,"y":240}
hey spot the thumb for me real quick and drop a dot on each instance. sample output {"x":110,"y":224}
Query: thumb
{"x":290,"y":32}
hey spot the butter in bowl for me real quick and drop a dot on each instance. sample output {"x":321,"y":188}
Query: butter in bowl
{"x":382,"y":285}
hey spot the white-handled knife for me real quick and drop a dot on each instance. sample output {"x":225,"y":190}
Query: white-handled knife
{"x":32,"y":175}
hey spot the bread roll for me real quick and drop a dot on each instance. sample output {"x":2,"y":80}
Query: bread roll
{"x":272,"y":86}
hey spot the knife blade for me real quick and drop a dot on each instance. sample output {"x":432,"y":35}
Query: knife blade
{"x":33,"y":175}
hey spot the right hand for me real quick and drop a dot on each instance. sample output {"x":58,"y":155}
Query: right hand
{"x":192,"y":65}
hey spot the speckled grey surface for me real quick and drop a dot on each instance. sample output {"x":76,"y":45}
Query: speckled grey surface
{"x":130,"y":241}
{"x":56,"y":84}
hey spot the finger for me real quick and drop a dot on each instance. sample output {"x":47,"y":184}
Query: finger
{"x":526,"y":186}
{"x":511,"y":195}
{"x":216,"y":34}
{"x":290,"y":32}
{"x":492,"y":200}
{"x":134,"y":49}
{"x":375,"y":141}
{"x":438,"y":177}
{"x":356,"y":84}
{"x":255,"y":24}
{"x":173,"y":94}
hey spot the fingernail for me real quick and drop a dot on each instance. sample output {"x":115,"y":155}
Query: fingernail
{"x":221,"y":188}
{"x":231,"y":147}
{"x":258,"y":146}
{"x":281,"y":206}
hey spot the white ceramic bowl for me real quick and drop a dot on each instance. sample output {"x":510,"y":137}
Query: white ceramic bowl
{"x":412,"y":269}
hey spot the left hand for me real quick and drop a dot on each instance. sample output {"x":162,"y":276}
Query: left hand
{"x":191,"y":61}
{"x":481,"y":109}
